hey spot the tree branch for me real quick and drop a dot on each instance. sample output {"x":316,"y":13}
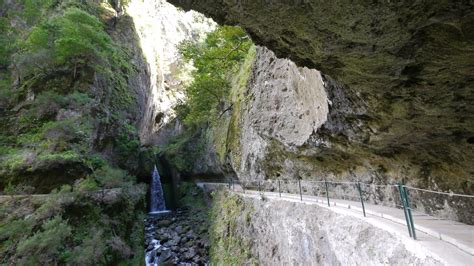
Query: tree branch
{"x":226,"y":110}
{"x":231,"y":51}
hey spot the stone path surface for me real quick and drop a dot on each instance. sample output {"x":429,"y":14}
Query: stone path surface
{"x":452,"y":241}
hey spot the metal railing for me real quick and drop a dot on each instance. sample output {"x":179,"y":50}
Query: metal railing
{"x":390,"y":195}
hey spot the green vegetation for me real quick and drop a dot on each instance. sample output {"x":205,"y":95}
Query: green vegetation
{"x":73,"y":227}
{"x":228,"y":247}
{"x":63,"y":95}
{"x":191,"y":196}
{"x":226,"y":133}
{"x":215,"y":60}
{"x":34,"y":10}
{"x":45,"y":245}
{"x":185,"y":149}
{"x":5,"y":42}
{"x":64,"y":99}
{"x":75,"y":38}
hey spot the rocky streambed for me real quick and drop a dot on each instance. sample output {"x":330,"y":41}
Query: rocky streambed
{"x":179,"y":238}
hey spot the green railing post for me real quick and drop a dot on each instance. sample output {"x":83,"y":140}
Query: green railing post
{"x":361,"y":198}
{"x":233,"y":184}
{"x":279,"y":188}
{"x":327,"y":191}
{"x":259,"y":186}
{"x":412,"y":223}
{"x":229,"y":184}
{"x":402,"y":198}
{"x":301,"y":194}
{"x":243,"y":187}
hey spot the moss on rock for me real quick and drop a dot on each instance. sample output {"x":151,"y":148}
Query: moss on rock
{"x":408,"y":63}
{"x":228,"y":247}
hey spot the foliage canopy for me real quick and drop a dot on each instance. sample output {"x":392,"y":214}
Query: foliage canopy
{"x":214,"y":59}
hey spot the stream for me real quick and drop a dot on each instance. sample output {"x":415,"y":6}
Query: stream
{"x":178,"y":238}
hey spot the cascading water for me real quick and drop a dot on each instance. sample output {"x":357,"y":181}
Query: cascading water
{"x":157,"y":209}
{"x":157,"y":199}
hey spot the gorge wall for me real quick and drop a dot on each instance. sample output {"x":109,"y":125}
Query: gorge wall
{"x":160,"y":28}
{"x":396,"y":104}
{"x":275,"y":232}
{"x":400,"y":87}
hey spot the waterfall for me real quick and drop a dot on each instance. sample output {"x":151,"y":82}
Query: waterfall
{"x":157,"y":199}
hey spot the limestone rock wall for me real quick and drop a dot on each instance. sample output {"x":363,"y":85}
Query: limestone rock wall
{"x":292,"y":122}
{"x":398,"y":78}
{"x":285,"y":104}
{"x":160,"y":28}
{"x":271,"y":232}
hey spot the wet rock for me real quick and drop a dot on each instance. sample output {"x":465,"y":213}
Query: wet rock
{"x":152,"y":257}
{"x":165,"y":237}
{"x":190,"y":234}
{"x":197,"y":259}
{"x":201,"y":251}
{"x":189,"y":254}
{"x":175,"y":259}
{"x":150,"y":247}
{"x":179,"y":229}
{"x":181,"y":239}
{"x":175,"y":241}
{"x":165,"y":255}
{"x":189,"y":244}
{"x":163,"y":223}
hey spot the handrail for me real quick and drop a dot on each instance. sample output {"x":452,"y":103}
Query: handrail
{"x":345,"y":182}
{"x":439,"y":192}
{"x":323,"y":192}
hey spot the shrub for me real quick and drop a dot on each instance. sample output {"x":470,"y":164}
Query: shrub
{"x":71,"y":42}
{"x":73,"y":38}
{"x":45,"y":106}
{"x":95,"y":162}
{"x":54,"y":205}
{"x":21,"y":189}
{"x":51,"y":158}
{"x":109,"y":177}
{"x":47,"y":103}
{"x":128,"y":146}
{"x":33,"y":9}
{"x":14,"y":160}
{"x":44,"y":246}
{"x":6,"y":44}
{"x":183,"y":150}
{"x":85,"y":184}
{"x":90,"y":251}
{"x":8,"y":97}
{"x":16,"y":229}
{"x":65,"y":130}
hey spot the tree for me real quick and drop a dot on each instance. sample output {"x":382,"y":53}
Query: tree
{"x":214,"y":59}
{"x":75,"y":39}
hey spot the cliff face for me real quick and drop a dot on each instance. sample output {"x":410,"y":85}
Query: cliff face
{"x":68,"y":103}
{"x":67,"y":111}
{"x":271,"y":232}
{"x":160,"y":28}
{"x":285,"y":105}
{"x":398,"y":78}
